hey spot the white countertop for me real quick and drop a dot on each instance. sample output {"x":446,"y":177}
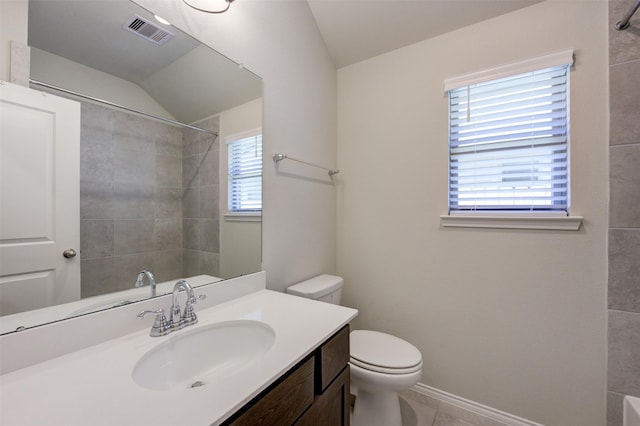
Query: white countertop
{"x":94,"y":386}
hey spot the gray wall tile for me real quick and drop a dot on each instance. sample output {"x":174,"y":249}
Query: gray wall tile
{"x":168,"y":171}
{"x":209,"y":169}
{"x":624,"y":103}
{"x":97,"y":117}
{"x":127,"y":267}
{"x":209,"y":263}
{"x":210,"y":235}
{"x":131,"y":167}
{"x":96,"y":276}
{"x":97,"y":156}
{"x":190,"y":143}
{"x":133,"y":200}
{"x":210,"y":201}
{"x":168,"y":234}
{"x":134,"y":236}
{"x":96,"y":238}
{"x":624,"y":269}
{"x":624,"y":353}
{"x":191,"y":203}
{"x":614,"y":409}
{"x":168,"y":265}
{"x":135,"y":133}
{"x":191,"y":229}
{"x":169,"y":143}
{"x":168,"y":203}
{"x":135,"y":141}
{"x":190,"y":262}
{"x":624,"y":186}
{"x":208,"y":143}
{"x":132,"y":177}
{"x":190,"y":171}
{"x":623,"y":45}
{"x":96,"y":200}
{"x":624,"y":210}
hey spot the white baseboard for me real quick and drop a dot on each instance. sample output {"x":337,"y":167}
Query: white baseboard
{"x":472,"y":406}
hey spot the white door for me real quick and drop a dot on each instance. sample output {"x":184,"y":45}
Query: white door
{"x":39,"y":199}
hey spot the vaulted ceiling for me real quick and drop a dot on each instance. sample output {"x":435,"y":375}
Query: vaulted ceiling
{"x":354,"y":30}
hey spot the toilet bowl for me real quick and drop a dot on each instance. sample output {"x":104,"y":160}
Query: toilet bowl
{"x":380,"y":365}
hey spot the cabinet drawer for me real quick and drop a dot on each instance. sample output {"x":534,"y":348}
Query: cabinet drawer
{"x":283,"y":403}
{"x":331,"y":359}
{"x":332,"y":407}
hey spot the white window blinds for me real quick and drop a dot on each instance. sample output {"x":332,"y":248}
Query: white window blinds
{"x":245,"y":174}
{"x":508,"y":143}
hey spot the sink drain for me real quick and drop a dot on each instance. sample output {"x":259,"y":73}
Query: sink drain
{"x":197,"y":384}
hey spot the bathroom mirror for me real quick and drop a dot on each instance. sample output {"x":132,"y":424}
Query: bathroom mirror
{"x":150,"y":189}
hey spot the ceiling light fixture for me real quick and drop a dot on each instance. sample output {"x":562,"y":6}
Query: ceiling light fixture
{"x":209,"y":6}
{"x":161,"y":20}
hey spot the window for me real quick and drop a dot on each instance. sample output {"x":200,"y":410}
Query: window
{"x":245,"y":173}
{"x":509,"y":140}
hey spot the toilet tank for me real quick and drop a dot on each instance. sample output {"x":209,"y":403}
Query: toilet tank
{"x":325,"y":288}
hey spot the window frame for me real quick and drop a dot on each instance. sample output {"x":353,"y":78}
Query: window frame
{"x":509,"y":218}
{"x":246,"y":214}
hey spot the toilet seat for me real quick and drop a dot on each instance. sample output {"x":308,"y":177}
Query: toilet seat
{"x":383,"y":353}
{"x":379,"y":369}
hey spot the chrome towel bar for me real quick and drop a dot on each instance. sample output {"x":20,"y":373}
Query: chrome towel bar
{"x":280,"y":157}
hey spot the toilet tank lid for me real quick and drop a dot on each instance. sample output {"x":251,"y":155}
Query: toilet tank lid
{"x":317,"y":287}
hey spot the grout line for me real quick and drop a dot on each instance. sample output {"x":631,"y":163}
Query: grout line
{"x":621,"y":145}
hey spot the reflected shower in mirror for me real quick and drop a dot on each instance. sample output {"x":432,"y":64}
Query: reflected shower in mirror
{"x":152,"y":192}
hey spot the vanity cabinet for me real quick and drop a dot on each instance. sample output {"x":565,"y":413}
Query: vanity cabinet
{"x":313,"y":393}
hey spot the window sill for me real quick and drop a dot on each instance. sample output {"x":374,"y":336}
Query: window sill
{"x":243,"y":217}
{"x":512,"y":221}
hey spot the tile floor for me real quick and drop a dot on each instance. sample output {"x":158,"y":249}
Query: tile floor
{"x":421,"y":410}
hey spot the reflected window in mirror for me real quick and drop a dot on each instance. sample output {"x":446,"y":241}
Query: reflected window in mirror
{"x":245,"y":173}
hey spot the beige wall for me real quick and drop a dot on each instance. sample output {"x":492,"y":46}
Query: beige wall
{"x":512,"y":319}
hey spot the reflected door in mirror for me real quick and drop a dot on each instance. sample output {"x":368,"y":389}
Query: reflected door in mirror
{"x":39,"y":203}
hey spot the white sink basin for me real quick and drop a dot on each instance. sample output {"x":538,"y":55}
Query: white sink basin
{"x":202,"y":355}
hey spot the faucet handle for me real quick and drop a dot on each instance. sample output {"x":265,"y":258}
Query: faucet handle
{"x":160,"y":325}
{"x":189,"y":316}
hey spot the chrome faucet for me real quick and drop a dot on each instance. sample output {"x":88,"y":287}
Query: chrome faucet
{"x":152,"y":281}
{"x":188,"y":317}
{"x":160,"y":325}
{"x":178,"y":319}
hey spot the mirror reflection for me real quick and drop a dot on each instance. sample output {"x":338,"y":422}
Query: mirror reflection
{"x":152,"y":192}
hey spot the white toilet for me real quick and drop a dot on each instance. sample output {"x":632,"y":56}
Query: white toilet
{"x":381,"y":365}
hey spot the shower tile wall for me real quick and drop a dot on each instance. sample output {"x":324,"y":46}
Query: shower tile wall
{"x":137,"y":178}
{"x":624,"y":212}
{"x":200,"y":201}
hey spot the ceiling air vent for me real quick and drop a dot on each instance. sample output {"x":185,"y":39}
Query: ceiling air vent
{"x":147,"y":30}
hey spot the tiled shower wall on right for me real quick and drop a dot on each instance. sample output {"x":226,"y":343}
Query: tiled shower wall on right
{"x":624,"y":212}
